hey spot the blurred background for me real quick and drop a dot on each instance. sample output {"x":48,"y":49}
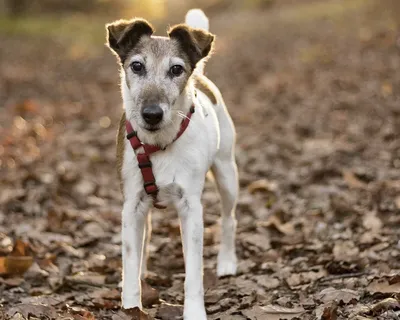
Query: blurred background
{"x":313,"y":88}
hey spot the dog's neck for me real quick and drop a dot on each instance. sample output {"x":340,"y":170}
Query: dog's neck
{"x":166,"y":135}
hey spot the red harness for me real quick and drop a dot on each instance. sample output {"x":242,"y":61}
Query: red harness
{"x":144,"y":162}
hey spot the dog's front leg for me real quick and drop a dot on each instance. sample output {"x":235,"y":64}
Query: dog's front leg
{"x":191,"y":215}
{"x":133,"y":222}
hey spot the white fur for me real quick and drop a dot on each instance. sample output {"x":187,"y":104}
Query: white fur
{"x":197,"y":19}
{"x":180,"y":170}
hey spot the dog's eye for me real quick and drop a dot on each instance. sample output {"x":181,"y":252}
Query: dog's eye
{"x":137,"y":67}
{"x":176,"y":70}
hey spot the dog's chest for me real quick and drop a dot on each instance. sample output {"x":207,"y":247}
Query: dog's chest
{"x":185,"y":162}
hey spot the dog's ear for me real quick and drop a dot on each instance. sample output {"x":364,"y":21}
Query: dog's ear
{"x":123,"y":35}
{"x":197,"y":43}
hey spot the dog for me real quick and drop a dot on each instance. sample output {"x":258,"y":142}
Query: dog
{"x":174,"y":129}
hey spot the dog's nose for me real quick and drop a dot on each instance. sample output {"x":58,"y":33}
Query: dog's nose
{"x":152,"y":114}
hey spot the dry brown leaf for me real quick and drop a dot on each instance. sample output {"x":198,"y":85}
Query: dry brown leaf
{"x":137,"y":314}
{"x":262,"y":185}
{"x":12,"y":282}
{"x":210,"y":278}
{"x":150,"y":296}
{"x":352,"y":181}
{"x":20,"y":248}
{"x":79,"y":313}
{"x":33,"y":310}
{"x":267,"y":281}
{"x":397,"y":202}
{"x":105,"y":293}
{"x":258,"y":240}
{"x":168,"y":311}
{"x":330,"y":311}
{"x":273,"y":312}
{"x":3,"y":269}
{"x":284,"y":228}
{"x":372,"y":222}
{"x":18,"y":264}
{"x":88,"y":278}
{"x":345,"y":251}
{"x":385,"y":305}
{"x":52,"y":300}
{"x":296,"y":279}
{"x":331,"y":294}
{"x":383,"y":286}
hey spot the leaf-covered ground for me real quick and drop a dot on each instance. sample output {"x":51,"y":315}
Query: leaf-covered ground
{"x":313,"y":89}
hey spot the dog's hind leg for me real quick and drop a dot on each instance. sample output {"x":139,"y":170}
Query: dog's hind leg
{"x":226,"y":177}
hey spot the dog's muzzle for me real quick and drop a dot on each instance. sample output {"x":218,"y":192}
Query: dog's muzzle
{"x":152,"y":114}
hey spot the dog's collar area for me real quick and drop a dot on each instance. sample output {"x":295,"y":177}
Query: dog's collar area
{"x":143,"y":158}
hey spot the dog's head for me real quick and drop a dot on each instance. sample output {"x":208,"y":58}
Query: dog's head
{"x":156,"y":70}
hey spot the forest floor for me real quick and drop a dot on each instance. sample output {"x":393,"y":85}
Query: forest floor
{"x":314,"y":92}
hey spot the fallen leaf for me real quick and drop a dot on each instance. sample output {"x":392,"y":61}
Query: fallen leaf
{"x":87,"y":278}
{"x":12,"y":282}
{"x":54,"y":300}
{"x":210,"y":279}
{"x":385,"y":305}
{"x":3,"y":268}
{"x":20,"y":248}
{"x":296,"y":279}
{"x":137,"y":314}
{"x":397,"y":202}
{"x":150,"y":296}
{"x":346,"y":251}
{"x":18,"y":264}
{"x":168,"y":311}
{"x":383,"y":286}
{"x":35,"y":273}
{"x":273,"y":312}
{"x":105,"y":293}
{"x":34,"y":310}
{"x":330,"y":311}
{"x":352,"y":181}
{"x":338,"y":295}
{"x":372,"y":222}
{"x":258,"y":240}
{"x":284,"y":228}
{"x":85,"y":188}
{"x":81,"y":313}
{"x":267,"y":281}
{"x":262,"y":185}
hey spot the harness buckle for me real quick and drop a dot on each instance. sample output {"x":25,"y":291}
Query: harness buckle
{"x":131,"y":135}
{"x":145,"y":165}
{"x":150,"y":187}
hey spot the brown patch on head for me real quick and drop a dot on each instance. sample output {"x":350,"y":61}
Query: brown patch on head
{"x":121,"y":147}
{"x":123,"y":35}
{"x":154,"y":49}
{"x":202,"y":83}
{"x":196,"y":43}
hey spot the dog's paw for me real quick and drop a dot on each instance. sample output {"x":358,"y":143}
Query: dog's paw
{"x":129,"y":302}
{"x":226,"y":264}
{"x":194,"y":310}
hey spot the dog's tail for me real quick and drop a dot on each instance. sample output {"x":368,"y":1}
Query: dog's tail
{"x":197,"y":19}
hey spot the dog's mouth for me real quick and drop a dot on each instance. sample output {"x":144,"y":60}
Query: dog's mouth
{"x":152,"y":129}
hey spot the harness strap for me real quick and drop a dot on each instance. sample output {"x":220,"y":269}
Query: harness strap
{"x":143,"y":158}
